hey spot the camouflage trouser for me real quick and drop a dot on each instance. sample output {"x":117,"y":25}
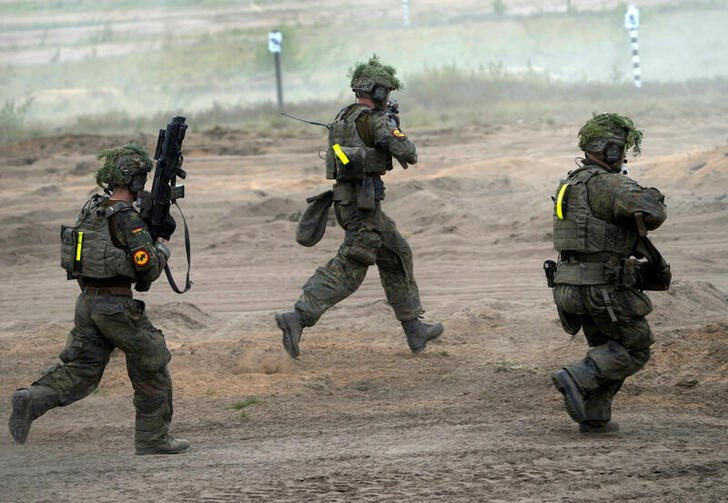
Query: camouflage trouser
{"x":371,"y":238}
{"x":618,"y":349}
{"x":102,"y":323}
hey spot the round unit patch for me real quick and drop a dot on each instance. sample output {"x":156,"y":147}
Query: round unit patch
{"x":141,"y":257}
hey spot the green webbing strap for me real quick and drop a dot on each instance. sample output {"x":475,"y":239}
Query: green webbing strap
{"x":167,"y":272}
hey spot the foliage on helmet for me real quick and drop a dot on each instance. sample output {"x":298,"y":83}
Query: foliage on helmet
{"x":609,"y":128}
{"x":366,"y":74}
{"x":121,"y":164}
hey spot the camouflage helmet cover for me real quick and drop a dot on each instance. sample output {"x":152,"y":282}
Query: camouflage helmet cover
{"x":606,"y":128}
{"x":367,"y":74}
{"x":122,"y":165}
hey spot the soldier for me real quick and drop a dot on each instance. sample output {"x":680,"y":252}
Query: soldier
{"x":363,"y":138}
{"x":108,"y":250}
{"x":600,"y":221}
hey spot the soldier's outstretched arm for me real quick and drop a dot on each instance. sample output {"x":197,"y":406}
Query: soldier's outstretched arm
{"x":387,"y":136}
{"x":149,"y":258}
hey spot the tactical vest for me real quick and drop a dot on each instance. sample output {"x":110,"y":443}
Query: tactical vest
{"x":575,"y":226}
{"x":87,"y":248}
{"x":348,"y":158}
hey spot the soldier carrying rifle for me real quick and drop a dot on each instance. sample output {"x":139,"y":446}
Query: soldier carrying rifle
{"x":363,"y":139}
{"x":109,"y":249}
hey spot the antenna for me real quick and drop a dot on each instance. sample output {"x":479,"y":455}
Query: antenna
{"x":327,"y":126}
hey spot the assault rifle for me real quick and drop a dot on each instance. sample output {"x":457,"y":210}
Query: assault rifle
{"x":392,"y":111}
{"x":155,"y":205}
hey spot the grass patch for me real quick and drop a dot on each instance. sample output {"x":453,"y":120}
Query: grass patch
{"x":251,"y":400}
{"x":244,"y":404}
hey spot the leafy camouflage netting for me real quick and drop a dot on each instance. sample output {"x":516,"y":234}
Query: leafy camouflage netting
{"x":365,"y":75}
{"x":605,"y":128}
{"x":121,"y":164}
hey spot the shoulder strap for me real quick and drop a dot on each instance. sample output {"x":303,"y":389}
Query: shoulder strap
{"x":590,"y":172}
{"x":116,"y":208}
{"x":168,"y":272}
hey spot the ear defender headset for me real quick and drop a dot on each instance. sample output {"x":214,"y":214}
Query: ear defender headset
{"x":379,"y":94}
{"x":611,"y":153}
{"x":137,"y":183}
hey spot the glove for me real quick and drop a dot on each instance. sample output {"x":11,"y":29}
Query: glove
{"x":168,"y":227}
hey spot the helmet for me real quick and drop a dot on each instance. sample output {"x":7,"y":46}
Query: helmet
{"x":606,"y":128}
{"x":365,"y":76}
{"x":125,"y":166}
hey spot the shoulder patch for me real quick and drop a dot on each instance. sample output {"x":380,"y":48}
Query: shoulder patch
{"x":140,"y":257}
{"x":399,"y":134}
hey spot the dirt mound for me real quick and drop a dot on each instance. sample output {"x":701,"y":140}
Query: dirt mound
{"x":688,"y":302}
{"x":272,"y":207}
{"x":704,"y":172}
{"x":692,"y":358}
{"x":180,"y":319}
{"x":22,"y":152}
{"x":28,"y":242}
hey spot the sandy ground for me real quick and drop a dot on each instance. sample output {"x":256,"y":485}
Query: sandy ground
{"x":358,"y":418}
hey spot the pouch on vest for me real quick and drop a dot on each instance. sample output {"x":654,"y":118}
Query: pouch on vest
{"x":70,"y":251}
{"x":366,"y":198}
{"x":349,"y":162}
{"x":312,"y":225}
{"x":330,"y":164}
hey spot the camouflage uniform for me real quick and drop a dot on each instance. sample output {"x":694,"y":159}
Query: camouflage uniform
{"x":107,"y":317}
{"x":364,"y":137}
{"x":596,"y":284}
{"x":371,"y":237}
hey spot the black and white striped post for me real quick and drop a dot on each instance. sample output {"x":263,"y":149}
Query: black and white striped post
{"x":632,"y":23}
{"x":405,"y":12}
{"x":275,"y":43}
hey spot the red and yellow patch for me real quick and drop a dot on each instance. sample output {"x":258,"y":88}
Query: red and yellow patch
{"x":141,"y":257}
{"x":399,"y":134}
{"x":136,"y":229}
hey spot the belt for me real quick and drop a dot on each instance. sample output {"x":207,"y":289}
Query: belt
{"x":596,"y":257}
{"x":123,"y":291}
{"x":580,"y":274}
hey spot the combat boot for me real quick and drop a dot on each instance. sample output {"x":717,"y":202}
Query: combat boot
{"x":20,"y":419}
{"x":419,"y":333}
{"x":165,"y":445}
{"x":598,"y":427}
{"x":292,"y":325}
{"x":573,"y":399}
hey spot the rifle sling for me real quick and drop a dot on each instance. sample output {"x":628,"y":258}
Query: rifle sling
{"x":188,"y":283}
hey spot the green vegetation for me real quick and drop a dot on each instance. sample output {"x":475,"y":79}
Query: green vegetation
{"x":12,"y":120}
{"x":84,"y":73}
{"x":441,"y":98}
{"x":251,"y":400}
{"x":241,"y":405}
